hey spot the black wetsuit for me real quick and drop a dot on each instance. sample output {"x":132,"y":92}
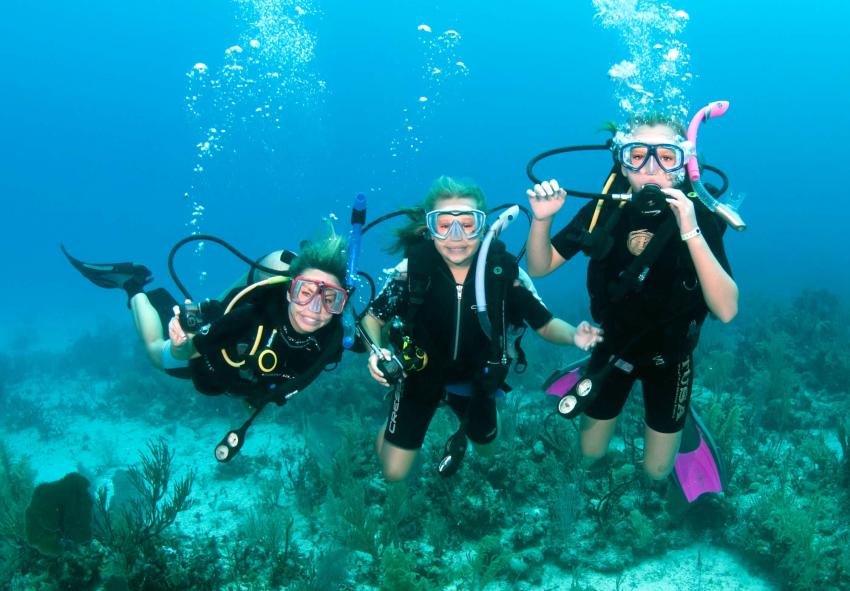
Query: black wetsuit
{"x":446,"y":326}
{"x":280,"y":355}
{"x":667,"y":311}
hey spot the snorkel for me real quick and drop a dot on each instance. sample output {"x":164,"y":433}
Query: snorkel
{"x":358,"y":218}
{"x":503,"y":221}
{"x":726,"y":213}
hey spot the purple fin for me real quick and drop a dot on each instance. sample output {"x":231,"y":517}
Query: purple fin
{"x":564,"y":383}
{"x":697,"y":472}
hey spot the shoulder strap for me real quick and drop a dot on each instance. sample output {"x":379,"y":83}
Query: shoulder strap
{"x":597,"y":245}
{"x":419,"y":269}
{"x":632,"y":278}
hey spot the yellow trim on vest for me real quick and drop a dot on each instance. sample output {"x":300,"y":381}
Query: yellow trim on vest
{"x":253,"y":350}
{"x":269,"y":281}
{"x":600,"y":202}
{"x":262,"y":367}
{"x":229,"y":361}
{"x":257,"y":340}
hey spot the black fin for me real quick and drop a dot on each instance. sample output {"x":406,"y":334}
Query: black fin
{"x":111,"y":275}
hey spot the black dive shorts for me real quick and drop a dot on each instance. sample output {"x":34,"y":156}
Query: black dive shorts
{"x":409,"y":417}
{"x":666,"y":391}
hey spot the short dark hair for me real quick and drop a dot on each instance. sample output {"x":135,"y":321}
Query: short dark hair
{"x":329,"y":255}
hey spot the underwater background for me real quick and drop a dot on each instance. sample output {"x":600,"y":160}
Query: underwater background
{"x":129,"y":125}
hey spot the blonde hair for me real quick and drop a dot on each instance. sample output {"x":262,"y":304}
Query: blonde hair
{"x":648,"y":120}
{"x":445,"y":187}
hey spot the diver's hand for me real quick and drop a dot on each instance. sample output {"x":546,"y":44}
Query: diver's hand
{"x":376,"y":373}
{"x":181,"y":341}
{"x":546,"y":199}
{"x":683,"y":210}
{"x":587,"y":336}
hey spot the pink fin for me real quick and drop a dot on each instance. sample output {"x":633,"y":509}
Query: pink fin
{"x":697,"y":472}
{"x":564,"y":383}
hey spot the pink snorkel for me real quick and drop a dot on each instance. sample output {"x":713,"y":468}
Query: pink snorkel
{"x":726,"y":213}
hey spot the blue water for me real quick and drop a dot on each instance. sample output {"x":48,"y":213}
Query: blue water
{"x":98,"y":148}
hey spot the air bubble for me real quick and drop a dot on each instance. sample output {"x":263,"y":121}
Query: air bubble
{"x":441,"y":67}
{"x":652,"y":76}
{"x":240,"y":93}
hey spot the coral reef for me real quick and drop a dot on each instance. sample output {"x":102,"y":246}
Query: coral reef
{"x":59,"y":514}
{"x":311,"y":511}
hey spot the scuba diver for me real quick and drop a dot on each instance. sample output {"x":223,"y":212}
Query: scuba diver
{"x":263,"y":342}
{"x":657,"y":268}
{"x":436,"y":322}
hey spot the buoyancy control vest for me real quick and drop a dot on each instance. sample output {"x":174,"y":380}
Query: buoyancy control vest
{"x":251,"y":359}
{"x":625,"y":298}
{"x":456,"y":337}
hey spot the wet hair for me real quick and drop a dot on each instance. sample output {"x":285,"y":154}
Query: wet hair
{"x":443,"y":188}
{"x":329,"y":255}
{"x":648,"y":120}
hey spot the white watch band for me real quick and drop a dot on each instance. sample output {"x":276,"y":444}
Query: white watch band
{"x":691,"y":234}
